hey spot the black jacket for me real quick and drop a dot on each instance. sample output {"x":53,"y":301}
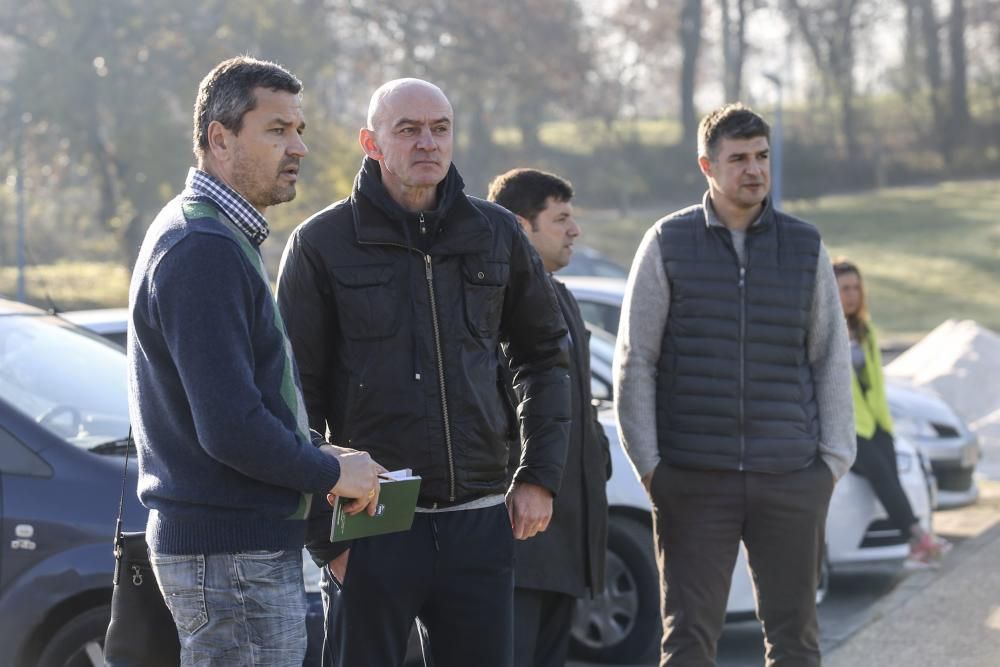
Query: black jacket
{"x":569,"y":556}
{"x":735,"y":389}
{"x":396,"y":318}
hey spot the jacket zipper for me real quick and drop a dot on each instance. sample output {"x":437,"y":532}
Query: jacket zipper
{"x":440,"y":365}
{"x":741,"y":285}
{"x":437,"y":350}
{"x":743,"y":336}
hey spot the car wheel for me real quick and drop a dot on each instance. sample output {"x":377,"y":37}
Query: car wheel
{"x":79,"y":642}
{"x":621,"y":625}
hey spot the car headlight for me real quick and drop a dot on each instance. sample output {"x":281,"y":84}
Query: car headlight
{"x":904,"y":462}
{"x":913,"y":427}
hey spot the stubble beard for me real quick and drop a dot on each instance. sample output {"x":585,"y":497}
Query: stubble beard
{"x":250,"y":182}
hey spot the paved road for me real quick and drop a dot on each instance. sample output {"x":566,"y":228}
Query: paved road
{"x":854,"y":593}
{"x":850,"y":594}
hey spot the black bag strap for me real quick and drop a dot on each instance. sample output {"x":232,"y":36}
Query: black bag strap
{"x":119,"y":539}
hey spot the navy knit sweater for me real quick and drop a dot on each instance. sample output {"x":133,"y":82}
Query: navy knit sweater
{"x":226,"y":462}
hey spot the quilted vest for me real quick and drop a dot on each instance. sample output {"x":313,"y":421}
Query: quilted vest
{"x":734,"y":387}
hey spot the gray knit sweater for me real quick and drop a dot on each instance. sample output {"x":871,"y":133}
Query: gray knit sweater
{"x":644,"y":317}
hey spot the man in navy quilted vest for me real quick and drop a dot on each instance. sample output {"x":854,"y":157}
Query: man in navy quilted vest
{"x":734,"y":399}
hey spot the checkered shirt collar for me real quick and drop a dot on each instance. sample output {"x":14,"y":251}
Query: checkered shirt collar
{"x":246,"y":218}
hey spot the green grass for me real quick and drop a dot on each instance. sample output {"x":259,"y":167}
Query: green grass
{"x":585,"y":137}
{"x":70,"y":285}
{"x":927,"y":253}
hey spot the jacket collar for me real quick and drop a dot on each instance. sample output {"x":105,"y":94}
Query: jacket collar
{"x":763,"y":221}
{"x":457,"y":226}
{"x":232,"y":204}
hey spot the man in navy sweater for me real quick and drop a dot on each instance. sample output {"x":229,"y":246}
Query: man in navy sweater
{"x":227,"y":463}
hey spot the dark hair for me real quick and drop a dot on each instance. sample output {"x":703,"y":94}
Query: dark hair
{"x":226,"y":94}
{"x":525,"y":192}
{"x":732,"y":121}
{"x":857,"y":323}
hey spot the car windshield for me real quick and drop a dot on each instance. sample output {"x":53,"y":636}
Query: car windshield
{"x":70,"y":381}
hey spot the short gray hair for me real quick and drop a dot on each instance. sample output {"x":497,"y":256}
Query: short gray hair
{"x":226,"y":94}
{"x":732,"y":121}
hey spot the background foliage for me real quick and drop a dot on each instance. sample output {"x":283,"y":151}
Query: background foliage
{"x":95,"y":104}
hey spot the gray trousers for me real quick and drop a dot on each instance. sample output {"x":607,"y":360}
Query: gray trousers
{"x":700,"y":517}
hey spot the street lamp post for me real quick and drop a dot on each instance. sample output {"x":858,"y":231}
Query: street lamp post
{"x":777,"y":145}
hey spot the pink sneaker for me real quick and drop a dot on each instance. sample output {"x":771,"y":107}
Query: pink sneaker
{"x":926,"y":552}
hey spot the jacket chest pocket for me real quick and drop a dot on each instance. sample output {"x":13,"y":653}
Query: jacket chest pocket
{"x":368,"y":301}
{"x":484,"y":287}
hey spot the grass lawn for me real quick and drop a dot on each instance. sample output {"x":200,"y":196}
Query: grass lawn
{"x":70,"y":285}
{"x":928,"y":253}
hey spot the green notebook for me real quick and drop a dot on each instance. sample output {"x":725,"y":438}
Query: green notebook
{"x":396,"y":502}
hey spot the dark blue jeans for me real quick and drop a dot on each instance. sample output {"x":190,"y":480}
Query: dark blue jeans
{"x":238,"y":609}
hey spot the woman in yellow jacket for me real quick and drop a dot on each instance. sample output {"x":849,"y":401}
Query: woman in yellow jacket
{"x":876,"y":459}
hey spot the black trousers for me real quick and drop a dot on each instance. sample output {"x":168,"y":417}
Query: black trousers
{"x":542,"y":622}
{"x":452,"y":570}
{"x":876,"y":462}
{"x":699,"y":519}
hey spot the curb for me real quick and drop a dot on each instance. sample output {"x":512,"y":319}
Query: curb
{"x":915,"y":583}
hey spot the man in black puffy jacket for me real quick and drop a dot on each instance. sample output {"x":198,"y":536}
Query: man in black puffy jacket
{"x":396,"y":300}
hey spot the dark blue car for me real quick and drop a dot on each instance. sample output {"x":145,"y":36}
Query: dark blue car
{"x":63,"y":425}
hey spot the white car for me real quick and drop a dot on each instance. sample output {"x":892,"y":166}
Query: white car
{"x":585,"y":261}
{"x":112,"y":323}
{"x":926,"y":420}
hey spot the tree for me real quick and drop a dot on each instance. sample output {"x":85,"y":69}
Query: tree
{"x":911,"y":49}
{"x":947,"y":97}
{"x":734,"y":46}
{"x":934,"y":71}
{"x":498,"y":62}
{"x":829,"y":28}
{"x":958,"y":99}
{"x":690,"y":39}
{"x":641,"y":60}
{"x":109,"y":90}
{"x":91,"y":83}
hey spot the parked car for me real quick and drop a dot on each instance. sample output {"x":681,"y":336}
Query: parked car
{"x":600,"y":299}
{"x":623,"y":625}
{"x":112,"y":323}
{"x":943,"y":438}
{"x":63,"y":420}
{"x":585,"y":261}
{"x":925,"y":419}
{"x":63,"y":429}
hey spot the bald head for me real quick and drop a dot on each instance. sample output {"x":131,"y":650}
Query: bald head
{"x":385,"y":97}
{"x":409,"y":134}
